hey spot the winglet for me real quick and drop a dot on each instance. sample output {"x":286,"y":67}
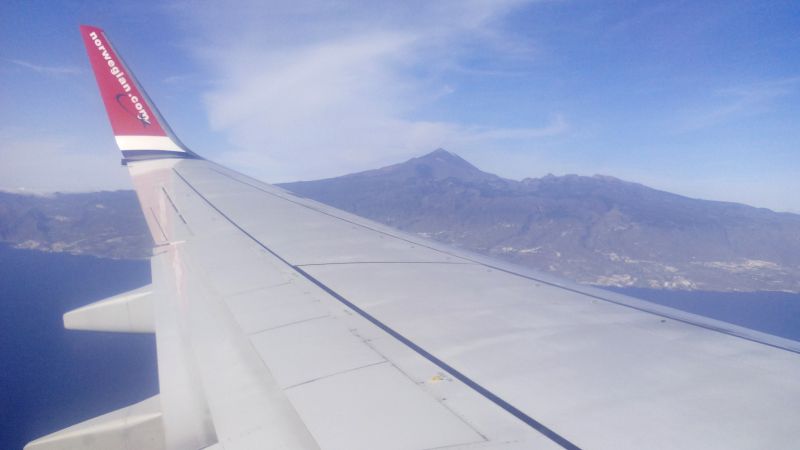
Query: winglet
{"x":139,"y":129}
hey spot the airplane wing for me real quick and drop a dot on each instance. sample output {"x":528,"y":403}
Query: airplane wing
{"x":281,"y":322}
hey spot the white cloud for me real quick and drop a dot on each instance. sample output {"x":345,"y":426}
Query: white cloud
{"x":32,"y":163}
{"x":47,"y":70}
{"x":305,"y":90}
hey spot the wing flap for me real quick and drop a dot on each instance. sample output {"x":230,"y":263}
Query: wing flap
{"x":292,"y":351}
{"x":130,"y":312}
{"x":274,"y":307}
{"x":340,"y":410}
{"x":135,"y":426}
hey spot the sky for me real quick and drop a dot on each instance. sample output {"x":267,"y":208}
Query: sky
{"x":697,"y":98}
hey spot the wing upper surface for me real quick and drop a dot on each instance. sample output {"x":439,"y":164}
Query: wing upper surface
{"x":349,"y":318}
{"x":258,"y":333}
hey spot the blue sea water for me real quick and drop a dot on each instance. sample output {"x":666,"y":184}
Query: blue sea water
{"x":776,"y":313}
{"x":51,"y":378}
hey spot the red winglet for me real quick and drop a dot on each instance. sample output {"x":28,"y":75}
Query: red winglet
{"x":126,"y":106}
{"x":137,"y":125}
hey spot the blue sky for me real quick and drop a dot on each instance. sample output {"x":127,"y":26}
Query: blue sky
{"x":698,"y":98}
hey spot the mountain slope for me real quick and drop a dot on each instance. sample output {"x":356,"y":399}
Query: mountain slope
{"x":597,"y":230}
{"x":105,"y":224}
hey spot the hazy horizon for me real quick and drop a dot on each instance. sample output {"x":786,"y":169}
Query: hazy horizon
{"x":47,"y":193}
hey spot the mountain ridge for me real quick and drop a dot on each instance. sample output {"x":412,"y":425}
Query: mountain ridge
{"x":597,"y":229}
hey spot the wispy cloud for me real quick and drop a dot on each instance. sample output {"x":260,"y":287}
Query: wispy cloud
{"x":311,"y":90}
{"x":47,"y":70}
{"x":558,"y":125}
{"x":739,"y":101}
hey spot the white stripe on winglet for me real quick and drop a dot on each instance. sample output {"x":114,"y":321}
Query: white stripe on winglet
{"x":146,"y":143}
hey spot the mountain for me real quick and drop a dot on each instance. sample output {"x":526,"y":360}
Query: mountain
{"x":598,"y":230}
{"x":105,"y":224}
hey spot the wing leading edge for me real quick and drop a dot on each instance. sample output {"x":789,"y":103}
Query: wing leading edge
{"x":282,"y":322}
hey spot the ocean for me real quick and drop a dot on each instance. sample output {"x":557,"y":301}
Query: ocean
{"x":51,"y":378}
{"x":776,"y":313}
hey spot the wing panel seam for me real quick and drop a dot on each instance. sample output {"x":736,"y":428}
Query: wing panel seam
{"x":665,"y":315}
{"x":341,"y":372}
{"x":486,"y":393}
{"x":348,"y":263}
